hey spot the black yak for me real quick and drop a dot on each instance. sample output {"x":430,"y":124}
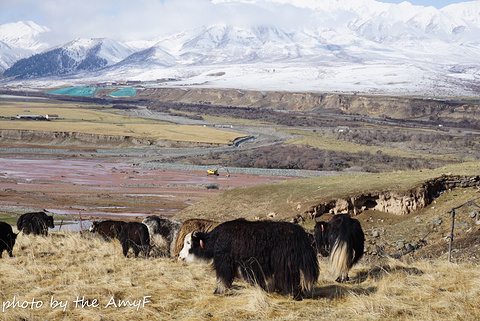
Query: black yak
{"x":342,"y":239}
{"x":36,"y":223}
{"x":260,"y":252}
{"x":135,"y":235}
{"x":7,"y":238}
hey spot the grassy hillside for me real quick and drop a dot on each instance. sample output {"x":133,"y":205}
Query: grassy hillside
{"x":292,"y":197}
{"x":67,"y":267}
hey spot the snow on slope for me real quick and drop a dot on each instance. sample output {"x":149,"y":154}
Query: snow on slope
{"x":108,"y":49}
{"x":19,"y":40}
{"x":344,"y":45}
{"x":23,"y":34}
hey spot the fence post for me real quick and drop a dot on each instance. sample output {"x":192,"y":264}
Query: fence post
{"x":81,"y":224}
{"x":451,"y":237}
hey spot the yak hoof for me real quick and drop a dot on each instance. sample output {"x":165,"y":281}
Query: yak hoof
{"x":342,"y":280}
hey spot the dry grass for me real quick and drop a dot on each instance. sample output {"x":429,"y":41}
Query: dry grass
{"x":184,"y":133}
{"x":69,"y":112}
{"x":101,"y":120}
{"x":64,"y":266}
{"x":292,"y":197}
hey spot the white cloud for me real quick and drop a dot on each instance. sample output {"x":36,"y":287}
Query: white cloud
{"x":141,"y":19}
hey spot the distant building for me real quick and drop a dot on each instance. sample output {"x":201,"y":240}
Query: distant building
{"x":51,"y":116}
{"x":31,"y":117}
{"x":27,"y":116}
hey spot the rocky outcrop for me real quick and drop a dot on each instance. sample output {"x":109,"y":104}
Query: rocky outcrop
{"x":397,"y":203}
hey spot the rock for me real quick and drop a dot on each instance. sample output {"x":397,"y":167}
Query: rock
{"x":437,"y":221}
{"x":399,"y":245}
{"x":410,"y":246}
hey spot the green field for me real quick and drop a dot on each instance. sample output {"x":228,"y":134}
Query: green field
{"x":12,"y":220}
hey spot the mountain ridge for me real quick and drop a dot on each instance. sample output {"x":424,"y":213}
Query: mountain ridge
{"x":379,"y":44}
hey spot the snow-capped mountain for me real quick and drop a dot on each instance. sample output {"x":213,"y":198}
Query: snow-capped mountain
{"x":349,"y":45}
{"x":75,"y":56}
{"x":24,"y":35}
{"x":20,"y":40}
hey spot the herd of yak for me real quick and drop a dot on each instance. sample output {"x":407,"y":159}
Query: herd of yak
{"x":277,"y":256}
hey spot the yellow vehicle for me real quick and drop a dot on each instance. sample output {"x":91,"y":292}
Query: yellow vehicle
{"x":214,"y":171}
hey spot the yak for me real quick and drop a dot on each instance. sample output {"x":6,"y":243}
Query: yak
{"x":188,"y":226}
{"x":163,"y":232}
{"x":7,"y":238}
{"x":36,"y":223}
{"x":109,"y":229}
{"x":135,"y":235}
{"x":260,"y":252}
{"x":342,"y":240}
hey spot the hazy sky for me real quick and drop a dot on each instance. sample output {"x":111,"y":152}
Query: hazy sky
{"x":126,"y":19}
{"x":435,"y":3}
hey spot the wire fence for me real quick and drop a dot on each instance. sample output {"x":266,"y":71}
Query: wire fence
{"x":452,"y":230}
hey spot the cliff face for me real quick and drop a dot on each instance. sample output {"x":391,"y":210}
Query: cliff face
{"x":398,"y":203}
{"x":396,"y":107}
{"x":70,"y":139}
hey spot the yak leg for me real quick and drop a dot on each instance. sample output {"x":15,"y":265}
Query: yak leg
{"x":125,"y":248}
{"x":225,"y":274}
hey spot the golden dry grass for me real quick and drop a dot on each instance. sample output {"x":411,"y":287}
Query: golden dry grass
{"x":69,"y":112}
{"x":64,"y":266}
{"x":184,"y":133}
{"x":291,"y":197}
{"x":96,"y":120}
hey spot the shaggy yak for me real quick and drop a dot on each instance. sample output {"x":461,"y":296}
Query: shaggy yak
{"x":342,"y":239}
{"x":36,"y":223}
{"x":260,"y":252}
{"x":163,"y":232}
{"x":7,"y":238}
{"x":189,"y":226}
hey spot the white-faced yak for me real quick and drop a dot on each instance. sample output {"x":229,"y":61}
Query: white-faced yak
{"x":261,"y":252}
{"x":7,"y":238}
{"x":342,"y":240}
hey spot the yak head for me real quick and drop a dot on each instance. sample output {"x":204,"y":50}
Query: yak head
{"x":49,"y":222}
{"x":94,"y":227}
{"x":194,"y":248}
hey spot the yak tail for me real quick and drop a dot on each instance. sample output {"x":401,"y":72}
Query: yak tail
{"x":341,"y":260}
{"x":309,"y":271}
